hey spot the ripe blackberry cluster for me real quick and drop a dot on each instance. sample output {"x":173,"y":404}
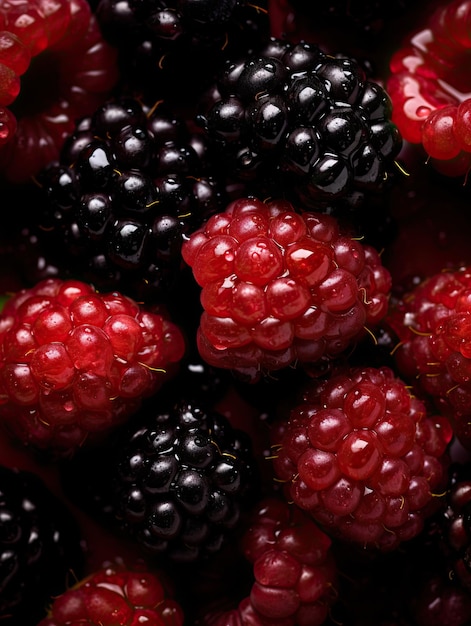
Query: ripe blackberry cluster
{"x":310,"y":124}
{"x":40,"y":551}
{"x":131,"y":182}
{"x":175,"y":481}
{"x":159,"y":41}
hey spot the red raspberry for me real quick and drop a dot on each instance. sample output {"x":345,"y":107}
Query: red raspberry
{"x":116,"y":594}
{"x":294,"y":570}
{"x":429,"y":86}
{"x":433,"y":324}
{"x":361,"y":455}
{"x":279,"y":286}
{"x":75,"y":363}
{"x":54,"y":68}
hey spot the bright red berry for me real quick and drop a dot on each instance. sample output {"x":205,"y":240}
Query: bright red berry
{"x":74,"y":363}
{"x":429,"y":87}
{"x":280,"y":286}
{"x":363,"y":457}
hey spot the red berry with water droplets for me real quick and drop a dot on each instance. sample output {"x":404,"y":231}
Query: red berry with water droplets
{"x":363,"y":457}
{"x":280,"y":286}
{"x":75,"y":363}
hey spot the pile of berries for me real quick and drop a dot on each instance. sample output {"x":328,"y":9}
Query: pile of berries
{"x":235,"y":313}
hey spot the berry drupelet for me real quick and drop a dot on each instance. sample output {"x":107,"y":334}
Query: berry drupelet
{"x":280,"y":286}
{"x":432,"y":324}
{"x":116,"y":594}
{"x":131,"y":182}
{"x":175,"y":480}
{"x":40,"y":550}
{"x":363,"y":457}
{"x":54,"y":67}
{"x":293,"y":567}
{"x":75,"y":363}
{"x":307,"y":122}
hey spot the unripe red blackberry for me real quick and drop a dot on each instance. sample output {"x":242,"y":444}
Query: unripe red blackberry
{"x":294,"y":570}
{"x":280,"y":286}
{"x":432,"y":323}
{"x":363,"y":457}
{"x":75,"y":363}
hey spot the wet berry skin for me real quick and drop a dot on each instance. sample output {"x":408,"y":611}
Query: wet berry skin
{"x":429,"y":87}
{"x":278,"y":286}
{"x":363,"y":457}
{"x":175,"y":481}
{"x":307,"y":122}
{"x":75,"y":363}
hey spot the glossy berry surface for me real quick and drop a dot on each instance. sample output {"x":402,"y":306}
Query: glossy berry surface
{"x":363,"y":457}
{"x":117,"y":594}
{"x":429,"y":88}
{"x":280,"y":286}
{"x":175,"y":481}
{"x":54,"y":67}
{"x":75,"y":362}
{"x":130,"y":183}
{"x":312,"y":122}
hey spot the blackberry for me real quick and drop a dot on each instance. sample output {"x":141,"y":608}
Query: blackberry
{"x":301,"y":120}
{"x":39,"y":547}
{"x":188,"y":39}
{"x":175,"y":481}
{"x":130,"y":183}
